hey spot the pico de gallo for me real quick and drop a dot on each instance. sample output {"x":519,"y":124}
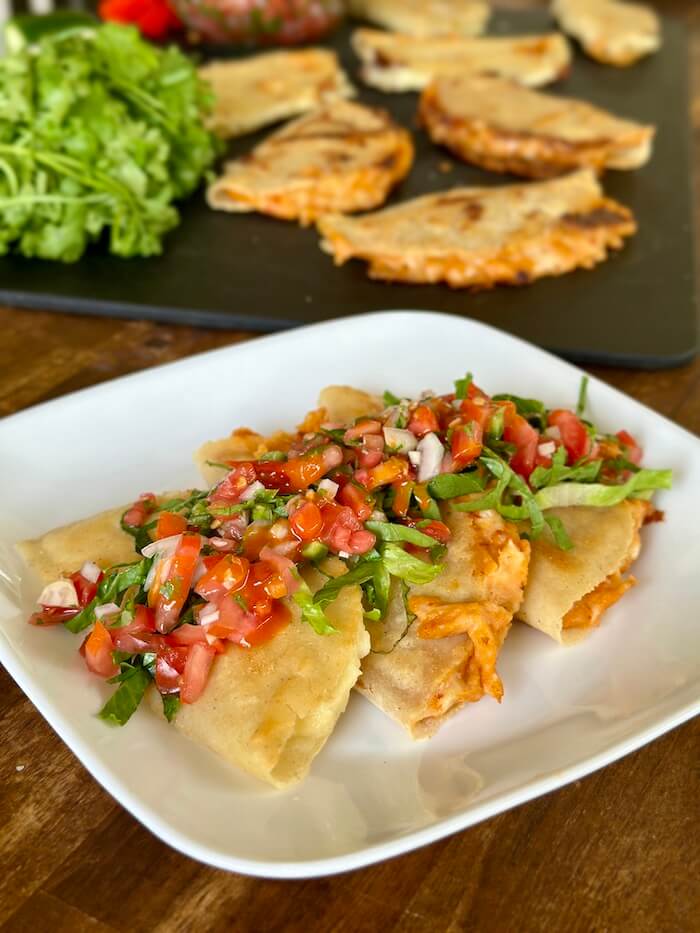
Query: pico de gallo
{"x":224,"y":565}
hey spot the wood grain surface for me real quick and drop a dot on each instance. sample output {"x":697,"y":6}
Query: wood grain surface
{"x":618,"y":851}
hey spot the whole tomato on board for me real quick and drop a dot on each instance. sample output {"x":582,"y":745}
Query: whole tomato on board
{"x":259,"y":22}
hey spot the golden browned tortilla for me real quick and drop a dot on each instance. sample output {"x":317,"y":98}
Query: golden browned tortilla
{"x":425,"y":17}
{"x":252,"y":92}
{"x":505,"y":127}
{"x":480,"y":237}
{"x":568,"y":591}
{"x":343,"y":157}
{"x":268,"y":710}
{"x":394,"y":62}
{"x":612,"y":32}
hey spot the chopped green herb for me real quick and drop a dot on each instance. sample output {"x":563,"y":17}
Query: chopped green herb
{"x":450,"y":485}
{"x":171,"y":704}
{"x":125,"y":700}
{"x":390,"y":399}
{"x":462,"y":386}
{"x":407,"y":567}
{"x":582,"y":396}
{"x":388,"y":531}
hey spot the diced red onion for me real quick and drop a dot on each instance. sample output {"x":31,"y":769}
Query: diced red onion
{"x":448,"y":463}
{"x":160,"y":566}
{"x":61,"y":594}
{"x":414,"y":457}
{"x":199,"y":571}
{"x":328,"y":487}
{"x":370,"y":458}
{"x":223,"y":544}
{"x":546,"y":449}
{"x":378,"y":516}
{"x":90,"y":571}
{"x":233,"y":528}
{"x":208,"y":614}
{"x":250,"y":492}
{"x":109,"y":609}
{"x":332,"y":456}
{"x":279,"y":530}
{"x":165,"y":547}
{"x":400,"y":439}
{"x":553,"y":432}
{"x":367,"y":426}
{"x":431,"y":454}
{"x":373,"y":442}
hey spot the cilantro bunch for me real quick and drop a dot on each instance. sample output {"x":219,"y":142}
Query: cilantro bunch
{"x":99,"y":133}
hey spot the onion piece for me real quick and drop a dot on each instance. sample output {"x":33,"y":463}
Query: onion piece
{"x":108,"y":609}
{"x":431,"y":454}
{"x":414,"y":457}
{"x":328,"y":488}
{"x":61,"y":594}
{"x":250,"y":492}
{"x":199,"y":571}
{"x":553,"y":432}
{"x":401,"y":440}
{"x":90,"y":571}
{"x":546,"y":449}
{"x":223,"y":544}
{"x":208,"y":614}
{"x":163,"y":547}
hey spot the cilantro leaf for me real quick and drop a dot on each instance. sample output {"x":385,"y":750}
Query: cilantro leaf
{"x":462,"y":386}
{"x":390,"y":399}
{"x":125,"y":700}
{"x":582,"y":396}
{"x":171,"y":704}
{"x":450,"y":485}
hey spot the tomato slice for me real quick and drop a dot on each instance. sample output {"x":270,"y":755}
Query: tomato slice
{"x":86,"y":589}
{"x":519,"y":431}
{"x":402,"y":497}
{"x":633,"y":450}
{"x":307,"y":521}
{"x":140,"y":510}
{"x":572,"y":430}
{"x":437,"y":530}
{"x":298,"y":473}
{"x":175,"y":588}
{"x":226,"y":576}
{"x":169,"y":524}
{"x":357,"y":499}
{"x":423,"y":420}
{"x":185,"y":635}
{"x":52,"y":615}
{"x":98,"y":652}
{"x":466,"y":445}
{"x":196,"y":672}
{"x":233,"y":484}
{"x":393,"y":469}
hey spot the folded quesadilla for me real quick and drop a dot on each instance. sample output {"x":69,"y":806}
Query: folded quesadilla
{"x":505,"y":127}
{"x":267,"y":708}
{"x":342,"y":158}
{"x":611,"y":32}
{"x":568,"y":591}
{"x":480,"y":237}
{"x":271,"y":86}
{"x":425,"y":17}
{"x":437,"y":648}
{"x":394,"y":62}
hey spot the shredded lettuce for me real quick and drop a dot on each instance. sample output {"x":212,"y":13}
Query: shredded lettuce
{"x":311,"y":611}
{"x":388,"y":531}
{"x":408,"y":568}
{"x":449,"y":485}
{"x":597,"y":494}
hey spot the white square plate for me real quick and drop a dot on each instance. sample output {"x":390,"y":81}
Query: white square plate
{"x":372,"y":792}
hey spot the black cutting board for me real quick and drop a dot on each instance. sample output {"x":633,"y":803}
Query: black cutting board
{"x":249,"y":271}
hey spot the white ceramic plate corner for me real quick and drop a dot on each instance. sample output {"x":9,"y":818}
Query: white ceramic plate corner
{"x":372,"y":793}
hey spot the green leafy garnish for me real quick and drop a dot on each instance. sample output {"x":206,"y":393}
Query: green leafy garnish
{"x":171,"y":704}
{"x":559,"y":472}
{"x":312,"y":611}
{"x":125,"y":700}
{"x":559,"y":533}
{"x":530,"y":408}
{"x":407,"y":567}
{"x":450,"y":485}
{"x":582,"y":396}
{"x":462,"y":386}
{"x":390,"y":399}
{"x":387,"y":531}
{"x":597,"y":494}
{"x":115,"y":581}
{"x":359,"y":574}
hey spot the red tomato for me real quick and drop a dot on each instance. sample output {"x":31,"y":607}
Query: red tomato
{"x":633,"y":451}
{"x":384,"y":473}
{"x":186,"y":635}
{"x":307,"y":522}
{"x":196,"y":673}
{"x":234,"y":623}
{"x":437,"y":530}
{"x":52,"y":615}
{"x":362,"y":428}
{"x":476,"y":410}
{"x":574,"y":435}
{"x":86,"y":589}
{"x":357,"y":499}
{"x":226,"y":576}
{"x":140,"y":510}
{"x":423,"y":420}
{"x":299,"y":473}
{"x":169,"y":524}
{"x":520,"y":432}
{"x":98,"y":652}
{"x":466,"y":445}
{"x":233,"y":484}
{"x":360,"y":542}
{"x":176,"y":587}
{"x":402,"y":497}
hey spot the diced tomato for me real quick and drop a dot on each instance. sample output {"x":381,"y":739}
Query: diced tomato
{"x":384,"y":473}
{"x":226,"y":576}
{"x":138,"y":635}
{"x":423,"y":420}
{"x":196,"y":673}
{"x":233,"y":484}
{"x":366,"y":426}
{"x":633,"y":451}
{"x":360,"y":542}
{"x":477,"y":411}
{"x":169,"y":524}
{"x":272,"y":562}
{"x":98,"y":652}
{"x":234,"y":623}
{"x":357,"y":499}
{"x":466,"y":445}
{"x":306,"y":522}
{"x":572,"y":430}
{"x":402,"y":497}
{"x":167,"y":678}
{"x":437,"y":530}
{"x":420,"y":491}
{"x":186,"y":635}
{"x":298,"y":473}
{"x":519,"y":431}
{"x":473,"y":391}
{"x":86,"y":589}
{"x":175,"y":588}
{"x":52,"y":615}
{"x":369,"y":458}
{"x":140,"y":510}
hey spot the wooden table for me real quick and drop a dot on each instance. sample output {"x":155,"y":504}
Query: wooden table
{"x":618,"y":851}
